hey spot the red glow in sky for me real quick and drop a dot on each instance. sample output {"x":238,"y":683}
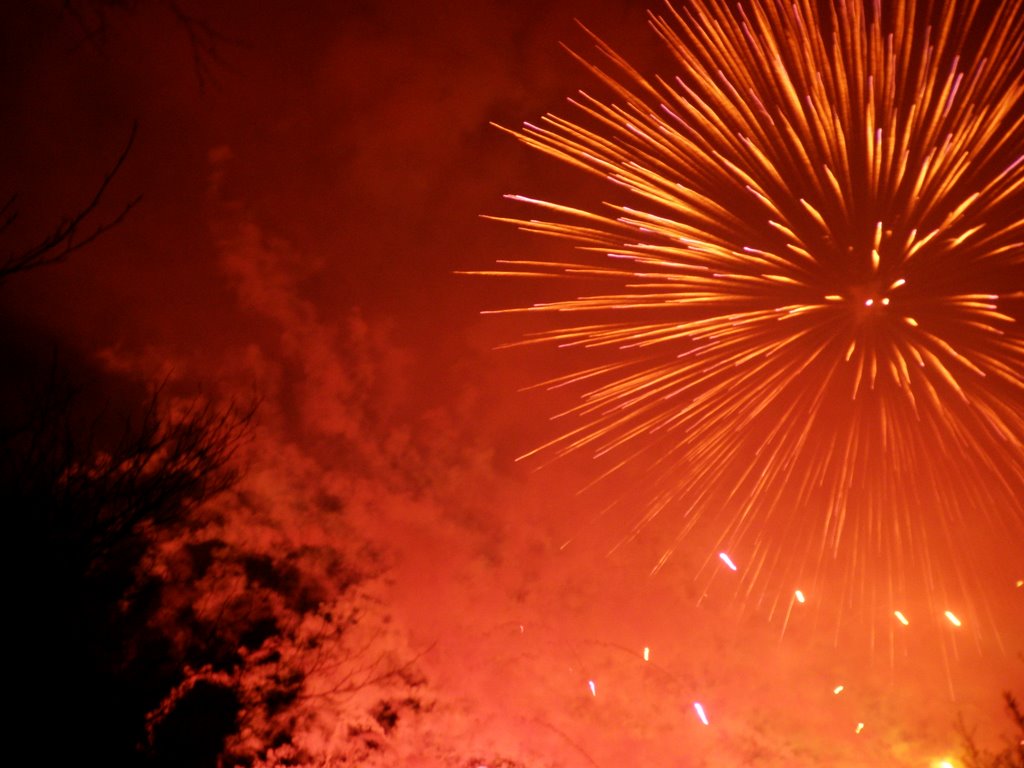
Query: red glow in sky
{"x":304,"y":216}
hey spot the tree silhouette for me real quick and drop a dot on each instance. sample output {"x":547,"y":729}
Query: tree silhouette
{"x":139,"y":643}
{"x":1011,"y":756}
{"x":85,"y":487}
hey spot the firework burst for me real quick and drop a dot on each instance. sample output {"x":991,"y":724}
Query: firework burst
{"x":805,"y":324}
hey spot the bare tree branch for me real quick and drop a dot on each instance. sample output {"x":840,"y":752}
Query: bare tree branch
{"x":1012,"y":756}
{"x":65,"y":240}
{"x":204,"y":39}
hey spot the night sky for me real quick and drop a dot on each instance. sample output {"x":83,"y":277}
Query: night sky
{"x":311,"y":190}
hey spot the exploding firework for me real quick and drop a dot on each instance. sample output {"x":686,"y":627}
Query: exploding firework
{"x":805,"y":319}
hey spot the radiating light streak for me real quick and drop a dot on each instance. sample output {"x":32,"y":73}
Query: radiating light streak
{"x":820,"y":205}
{"x":953,"y":619}
{"x":838,"y":689}
{"x":700,"y":712}
{"x":901,"y":618}
{"x":727,"y":560}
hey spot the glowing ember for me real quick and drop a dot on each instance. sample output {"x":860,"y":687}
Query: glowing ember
{"x":800,"y":596}
{"x":901,"y":618}
{"x":727,"y":560}
{"x":700,"y":712}
{"x":952,"y":618}
{"x":838,"y":689}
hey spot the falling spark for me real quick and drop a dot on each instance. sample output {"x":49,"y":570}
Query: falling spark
{"x":700,"y":712}
{"x":838,"y":689}
{"x":902,"y":619}
{"x":593,"y":687}
{"x":952,"y":618}
{"x":859,"y":728}
{"x":1020,"y":583}
{"x":799,"y":596}
{"x":647,"y":653}
{"x":807,"y":280}
{"x":727,"y":560}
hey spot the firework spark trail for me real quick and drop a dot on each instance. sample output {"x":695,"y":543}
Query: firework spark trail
{"x":812,"y":338}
